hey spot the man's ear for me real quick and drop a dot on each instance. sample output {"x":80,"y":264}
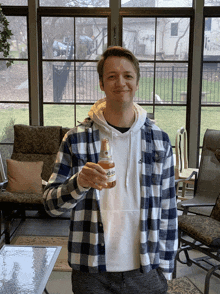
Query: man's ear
{"x":101,"y":85}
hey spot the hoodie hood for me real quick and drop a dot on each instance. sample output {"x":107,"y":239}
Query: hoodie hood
{"x":96,"y":114}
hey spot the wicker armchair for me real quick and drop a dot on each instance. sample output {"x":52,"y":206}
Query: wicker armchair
{"x":31,"y":144}
{"x":204,"y":233}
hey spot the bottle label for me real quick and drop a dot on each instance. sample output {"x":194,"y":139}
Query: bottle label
{"x":111,"y":174}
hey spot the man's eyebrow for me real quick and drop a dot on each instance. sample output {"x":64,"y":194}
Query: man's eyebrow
{"x":110,"y":72}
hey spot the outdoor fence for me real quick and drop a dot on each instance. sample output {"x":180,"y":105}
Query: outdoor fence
{"x":81,"y":84}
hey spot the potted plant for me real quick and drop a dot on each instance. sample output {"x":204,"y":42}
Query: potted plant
{"x":5,"y":34}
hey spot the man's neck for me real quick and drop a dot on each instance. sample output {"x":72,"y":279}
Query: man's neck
{"x":121,"y":117}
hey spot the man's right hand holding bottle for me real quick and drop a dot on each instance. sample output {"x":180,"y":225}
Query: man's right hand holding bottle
{"x":92,"y":175}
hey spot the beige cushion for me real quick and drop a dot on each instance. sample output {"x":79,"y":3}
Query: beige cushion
{"x":24,"y":177}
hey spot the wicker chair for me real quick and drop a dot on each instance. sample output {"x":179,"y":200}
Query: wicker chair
{"x":204,"y":233}
{"x":31,"y":144}
{"x":182,"y":170}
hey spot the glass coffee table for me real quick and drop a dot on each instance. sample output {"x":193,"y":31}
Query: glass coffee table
{"x":26,"y":269}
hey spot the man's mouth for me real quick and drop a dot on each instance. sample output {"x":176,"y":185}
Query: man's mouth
{"x":121,"y":91}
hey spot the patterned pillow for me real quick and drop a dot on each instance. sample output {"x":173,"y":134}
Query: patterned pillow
{"x":24,"y":177}
{"x":216,"y":209}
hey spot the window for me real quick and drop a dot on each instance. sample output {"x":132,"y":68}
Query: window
{"x":210,"y":96}
{"x":156,"y":3}
{"x":14,"y":83}
{"x":163,"y":67}
{"x":71,"y":47}
{"x":69,"y":3}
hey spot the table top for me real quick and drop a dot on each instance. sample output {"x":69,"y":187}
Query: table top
{"x":26,"y":269}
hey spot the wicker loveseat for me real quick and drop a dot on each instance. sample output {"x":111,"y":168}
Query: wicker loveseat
{"x":31,"y":144}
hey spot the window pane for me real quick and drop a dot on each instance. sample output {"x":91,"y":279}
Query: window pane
{"x":211,"y":50}
{"x":172,"y":41}
{"x":211,"y":84}
{"x":82,"y":112}
{"x":170,"y":119}
{"x":59,"y":41}
{"x":210,"y":119}
{"x":14,"y":2}
{"x":59,"y":115}
{"x":211,"y":2}
{"x":58,"y":37}
{"x":14,"y":81}
{"x":171,"y":83}
{"x":11,"y":114}
{"x":146,"y":82}
{"x":87,"y":83}
{"x":58,"y":82}
{"x":156,"y":3}
{"x":172,"y":38}
{"x":91,"y":37}
{"x":60,"y":87}
{"x":139,"y":36}
{"x":69,"y":3}
{"x":18,"y":27}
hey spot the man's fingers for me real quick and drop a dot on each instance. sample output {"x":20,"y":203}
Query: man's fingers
{"x":92,"y":175}
{"x":96,"y":166}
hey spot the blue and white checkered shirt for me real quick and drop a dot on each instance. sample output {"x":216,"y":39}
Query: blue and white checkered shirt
{"x":158,"y":226}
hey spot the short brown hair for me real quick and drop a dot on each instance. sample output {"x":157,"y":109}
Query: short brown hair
{"x":118,"y":52}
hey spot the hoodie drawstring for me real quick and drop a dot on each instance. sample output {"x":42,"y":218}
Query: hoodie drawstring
{"x":129,"y":160}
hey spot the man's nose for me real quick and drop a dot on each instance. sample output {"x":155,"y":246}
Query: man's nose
{"x":120,"y":81}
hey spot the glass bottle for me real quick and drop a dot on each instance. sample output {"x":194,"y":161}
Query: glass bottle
{"x":106,"y":162}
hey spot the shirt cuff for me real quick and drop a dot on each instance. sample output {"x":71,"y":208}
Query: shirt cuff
{"x":168,"y":276}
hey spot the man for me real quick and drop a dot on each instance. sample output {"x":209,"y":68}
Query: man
{"x":123,"y":239}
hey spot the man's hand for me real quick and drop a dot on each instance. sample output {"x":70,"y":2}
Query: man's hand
{"x":92,"y":175}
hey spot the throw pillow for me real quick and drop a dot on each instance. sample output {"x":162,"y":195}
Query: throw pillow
{"x":24,"y":177}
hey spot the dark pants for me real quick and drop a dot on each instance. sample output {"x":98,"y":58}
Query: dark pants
{"x":131,"y":282}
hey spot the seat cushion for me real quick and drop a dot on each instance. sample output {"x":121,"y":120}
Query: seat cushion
{"x":201,"y":228}
{"x":20,"y":198}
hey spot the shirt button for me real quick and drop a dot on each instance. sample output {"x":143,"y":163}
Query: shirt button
{"x":102,"y":244}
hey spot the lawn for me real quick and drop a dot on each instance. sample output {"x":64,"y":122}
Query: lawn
{"x":168,"y":118}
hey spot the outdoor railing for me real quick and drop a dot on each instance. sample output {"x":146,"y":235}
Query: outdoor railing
{"x":170,"y":84}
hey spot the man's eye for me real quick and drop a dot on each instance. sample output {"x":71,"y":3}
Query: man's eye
{"x":129,"y":76}
{"x":111,"y":77}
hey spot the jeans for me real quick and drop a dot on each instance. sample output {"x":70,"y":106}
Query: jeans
{"x":130,"y":282}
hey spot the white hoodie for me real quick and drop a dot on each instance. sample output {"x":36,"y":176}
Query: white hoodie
{"x":120,"y":206}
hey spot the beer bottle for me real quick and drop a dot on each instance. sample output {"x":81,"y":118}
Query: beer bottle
{"x":106,"y":162}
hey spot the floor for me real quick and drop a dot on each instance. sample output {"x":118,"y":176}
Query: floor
{"x":60,"y":282}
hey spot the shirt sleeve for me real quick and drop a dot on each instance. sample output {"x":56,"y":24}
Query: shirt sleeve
{"x":168,"y":237}
{"x":62,"y":191}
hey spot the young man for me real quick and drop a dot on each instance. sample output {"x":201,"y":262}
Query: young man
{"x":123,"y":239}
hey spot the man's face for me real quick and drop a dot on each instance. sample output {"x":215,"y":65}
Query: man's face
{"x":119,"y":79}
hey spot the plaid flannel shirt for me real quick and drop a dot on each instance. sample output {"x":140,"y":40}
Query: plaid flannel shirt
{"x":158,"y":220}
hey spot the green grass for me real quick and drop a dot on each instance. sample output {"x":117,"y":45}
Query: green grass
{"x":168,"y":118}
{"x":163,"y":88}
